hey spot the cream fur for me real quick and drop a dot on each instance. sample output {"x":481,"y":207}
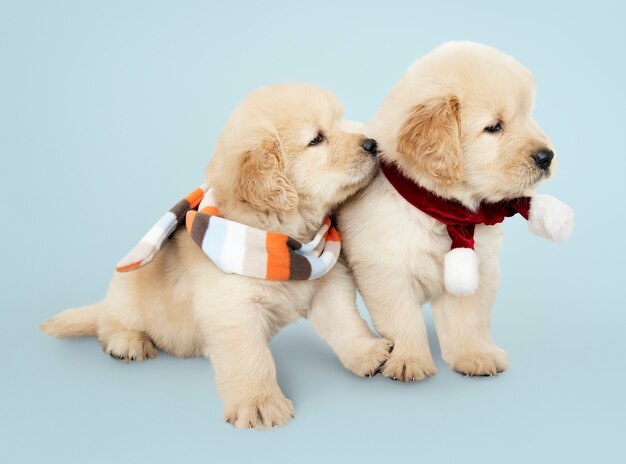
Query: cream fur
{"x":264,"y":175}
{"x":432,"y":125}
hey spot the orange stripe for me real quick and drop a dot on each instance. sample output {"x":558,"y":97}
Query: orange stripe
{"x":333,"y":235}
{"x":277,"y":257}
{"x":191,"y":216}
{"x":211,"y":210}
{"x":195,"y":197}
{"x":128,"y":267}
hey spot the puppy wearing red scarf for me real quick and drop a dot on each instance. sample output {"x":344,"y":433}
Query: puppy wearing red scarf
{"x":460,"y":152}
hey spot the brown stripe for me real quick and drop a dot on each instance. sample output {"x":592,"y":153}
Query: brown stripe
{"x":299,"y":267}
{"x":180,"y":209}
{"x":200,"y":225}
{"x":293,"y":244}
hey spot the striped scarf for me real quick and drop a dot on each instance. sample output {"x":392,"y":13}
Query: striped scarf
{"x":236,"y":248}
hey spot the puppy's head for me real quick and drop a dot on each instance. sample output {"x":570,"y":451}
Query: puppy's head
{"x":464,"y":126}
{"x":285,"y":149}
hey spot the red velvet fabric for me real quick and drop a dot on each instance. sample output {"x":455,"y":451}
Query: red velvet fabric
{"x":459,"y":220}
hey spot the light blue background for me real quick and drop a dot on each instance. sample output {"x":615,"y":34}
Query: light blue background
{"x":108,"y":114}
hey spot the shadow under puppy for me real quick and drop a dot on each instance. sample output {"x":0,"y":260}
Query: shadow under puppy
{"x":460,"y":151}
{"x":282,"y":164}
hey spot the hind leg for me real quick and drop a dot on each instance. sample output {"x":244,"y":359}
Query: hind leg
{"x":123,"y":343}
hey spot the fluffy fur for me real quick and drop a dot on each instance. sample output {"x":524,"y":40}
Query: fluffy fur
{"x":433,"y":125}
{"x":550,"y":218}
{"x":265,"y":174}
{"x":461,"y":270}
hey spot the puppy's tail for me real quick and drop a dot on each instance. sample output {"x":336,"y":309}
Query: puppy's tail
{"x":75,"y":322}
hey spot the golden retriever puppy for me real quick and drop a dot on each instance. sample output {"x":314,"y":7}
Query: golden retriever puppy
{"x":283,"y":163}
{"x":458,"y":129}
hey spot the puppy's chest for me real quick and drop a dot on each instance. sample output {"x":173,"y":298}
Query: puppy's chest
{"x":428,"y":237}
{"x":283,"y":302}
{"x":427,"y":242}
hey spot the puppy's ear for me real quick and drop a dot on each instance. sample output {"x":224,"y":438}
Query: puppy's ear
{"x":261,"y":180}
{"x":431,"y":139}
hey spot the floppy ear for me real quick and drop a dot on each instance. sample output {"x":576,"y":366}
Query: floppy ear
{"x":431,"y":139}
{"x":261,"y":180}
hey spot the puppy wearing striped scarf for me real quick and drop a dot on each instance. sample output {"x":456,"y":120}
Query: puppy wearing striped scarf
{"x":259,"y":253}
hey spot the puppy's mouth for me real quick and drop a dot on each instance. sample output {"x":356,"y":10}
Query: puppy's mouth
{"x":526,"y":181}
{"x":537,"y":175}
{"x":364,"y":171}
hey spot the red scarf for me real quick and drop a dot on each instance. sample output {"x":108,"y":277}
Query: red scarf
{"x":459,"y":220}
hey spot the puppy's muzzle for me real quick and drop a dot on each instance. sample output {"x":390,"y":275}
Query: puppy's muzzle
{"x":370,"y":146}
{"x":543,"y":159}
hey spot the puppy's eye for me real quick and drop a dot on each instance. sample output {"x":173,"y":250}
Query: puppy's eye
{"x":497,"y":127}
{"x":319,"y":138}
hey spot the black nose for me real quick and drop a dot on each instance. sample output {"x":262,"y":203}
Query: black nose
{"x":369,"y":145}
{"x":543,"y":158}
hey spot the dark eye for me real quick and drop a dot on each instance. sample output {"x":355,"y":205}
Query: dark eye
{"x":497,"y":127}
{"x":319,"y":138}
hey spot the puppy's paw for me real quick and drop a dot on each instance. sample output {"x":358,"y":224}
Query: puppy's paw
{"x":481,"y":363}
{"x":130,"y":346}
{"x":367,"y":355}
{"x":260,"y":413}
{"x":409,"y":368}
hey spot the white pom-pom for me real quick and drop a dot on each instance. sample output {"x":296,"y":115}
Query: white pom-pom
{"x":460,"y":271}
{"x":550,"y":218}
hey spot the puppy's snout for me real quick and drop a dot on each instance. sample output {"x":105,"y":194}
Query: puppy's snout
{"x":543,"y":158}
{"x":370,"y":146}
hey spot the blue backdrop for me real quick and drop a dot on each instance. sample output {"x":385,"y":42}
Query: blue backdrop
{"x":108,"y":114}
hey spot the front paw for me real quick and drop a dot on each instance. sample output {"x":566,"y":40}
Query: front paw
{"x":366,"y":355}
{"x":409,"y":368}
{"x":265,"y":411}
{"x":480,"y":363}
